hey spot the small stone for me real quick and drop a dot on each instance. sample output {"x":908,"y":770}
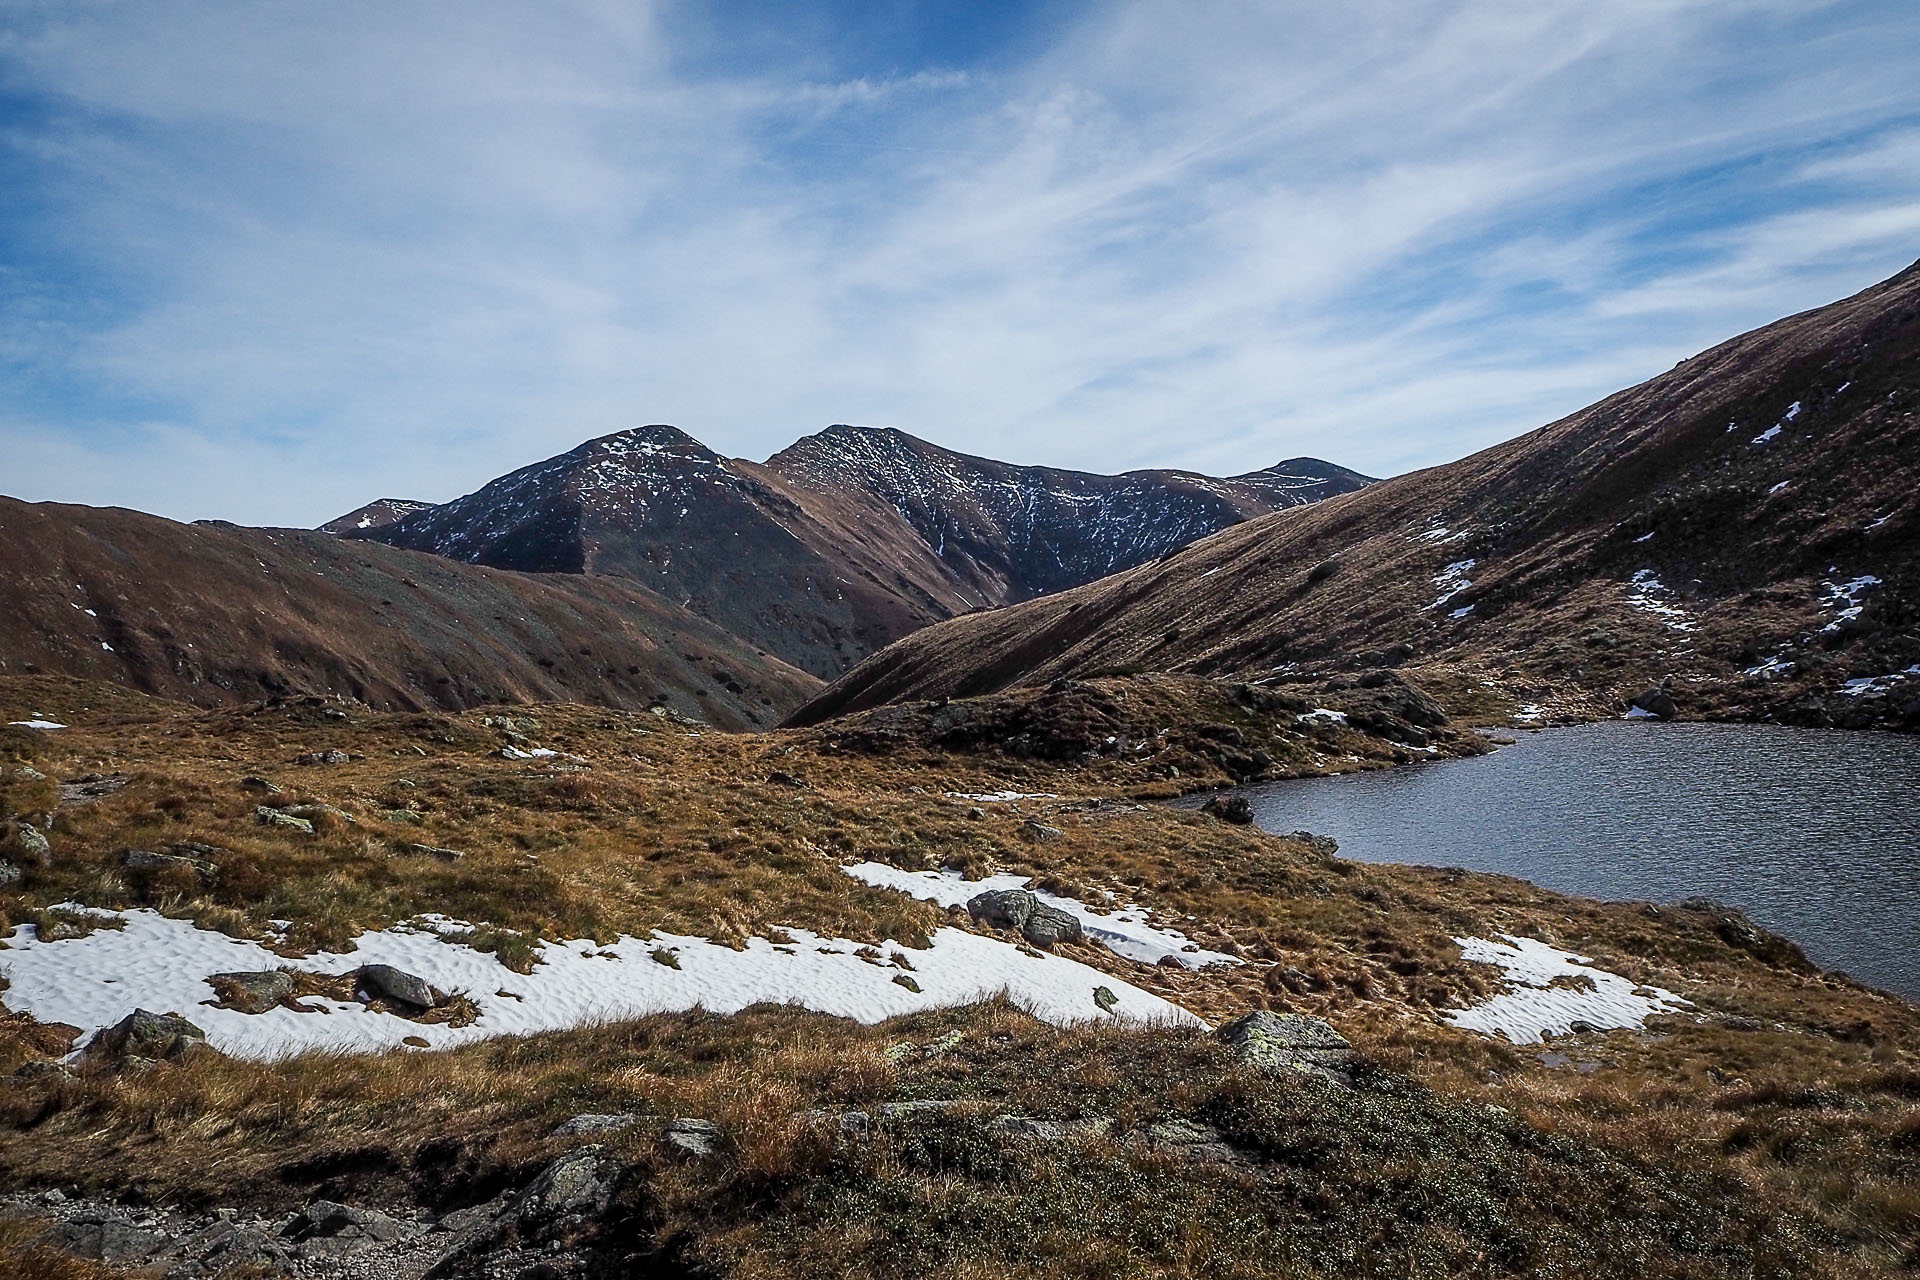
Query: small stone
{"x":1104,"y":998}
{"x":9,"y":874}
{"x":903,"y":980}
{"x":407,"y":816}
{"x":1039,"y":832}
{"x":388,"y":983}
{"x":666,"y":957}
{"x":780,"y":779}
{"x":260,"y":785}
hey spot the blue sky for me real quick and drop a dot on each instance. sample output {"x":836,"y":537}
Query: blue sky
{"x":265,"y":262}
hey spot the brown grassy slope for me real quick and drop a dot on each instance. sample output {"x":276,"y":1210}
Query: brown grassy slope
{"x":1773,"y":1134}
{"x":214,"y":613}
{"x":1556,"y":523}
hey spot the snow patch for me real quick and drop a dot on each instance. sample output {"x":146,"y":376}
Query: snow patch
{"x":1321,"y":715}
{"x":1644,"y":592}
{"x":37,"y":724}
{"x":1767,"y":436}
{"x":1123,"y":930}
{"x":161,"y":964}
{"x":1452,"y":580}
{"x":999,"y":797}
{"x":1537,"y":1009}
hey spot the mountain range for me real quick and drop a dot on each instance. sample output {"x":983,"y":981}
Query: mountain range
{"x":839,"y":544}
{"x":1738,"y":533}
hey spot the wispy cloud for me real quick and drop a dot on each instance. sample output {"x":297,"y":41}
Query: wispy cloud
{"x":267,"y":263}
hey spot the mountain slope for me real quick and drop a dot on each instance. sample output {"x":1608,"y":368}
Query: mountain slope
{"x":841,"y":543}
{"x":215,"y":613}
{"x":377,"y":514}
{"x":1745,"y":523}
{"x":1010,"y":532}
{"x":817,"y":579}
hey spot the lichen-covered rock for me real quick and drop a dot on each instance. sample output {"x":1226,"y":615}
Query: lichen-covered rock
{"x":270,"y":817}
{"x":322,"y":757}
{"x":143,"y":1035}
{"x":698,"y":1138}
{"x":150,"y":863}
{"x":1289,"y":1042}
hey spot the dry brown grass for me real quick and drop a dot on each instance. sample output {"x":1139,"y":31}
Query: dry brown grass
{"x":1812,"y":1117}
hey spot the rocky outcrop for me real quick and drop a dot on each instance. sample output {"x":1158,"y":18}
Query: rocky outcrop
{"x":1270,"y":1041}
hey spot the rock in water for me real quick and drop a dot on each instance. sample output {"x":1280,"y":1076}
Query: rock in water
{"x":397,"y":985}
{"x":163,"y":1037}
{"x":1289,"y":1042}
{"x":1658,"y":702}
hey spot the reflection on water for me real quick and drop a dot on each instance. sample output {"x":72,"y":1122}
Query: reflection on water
{"x":1815,"y":832}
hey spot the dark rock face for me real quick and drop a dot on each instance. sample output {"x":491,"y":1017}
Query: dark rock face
{"x":1289,"y":1042}
{"x":1657,"y":701}
{"x":385,"y":982}
{"x":1020,"y":910}
{"x":158,"y":1037}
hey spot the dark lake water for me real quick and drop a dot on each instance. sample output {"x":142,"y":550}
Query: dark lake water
{"x":1814,"y":832}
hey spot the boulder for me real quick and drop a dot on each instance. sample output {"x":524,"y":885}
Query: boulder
{"x":326,"y":1220}
{"x":33,"y":847}
{"x":1104,"y":999}
{"x":1289,"y":1042}
{"x":332,"y":756}
{"x":163,"y":1037}
{"x":1018,"y":909}
{"x":435,"y":851}
{"x":103,"y":1236}
{"x":274,"y":818}
{"x":779,"y":778}
{"x":1191,"y":1139}
{"x":260,"y":785}
{"x":253,"y":992}
{"x":1235,"y":809}
{"x":1656,"y":701}
{"x":1039,"y":832}
{"x":384,"y":982}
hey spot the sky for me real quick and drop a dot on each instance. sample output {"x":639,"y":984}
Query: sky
{"x":266,"y":262}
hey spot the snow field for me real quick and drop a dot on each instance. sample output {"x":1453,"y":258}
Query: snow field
{"x":161,"y":964}
{"x":1121,"y":930}
{"x":1534,"y":1010}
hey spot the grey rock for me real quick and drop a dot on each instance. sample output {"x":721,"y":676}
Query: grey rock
{"x":433,"y":851}
{"x":146,"y":1036}
{"x":472,"y":1218}
{"x":9,"y":874}
{"x":388,"y":983}
{"x":1038,"y":923}
{"x":903,"y":980}
{"x":1104,"y":998}
{"x":315,"y":812}
{"x":33,"y":846}
{"x":30,"y":774}
{"x":1039,"y":832}
{"x":260,"y":785}
{"x":582,"y":1125}
{"x":149,"y":862}
{"x":253,"y":992}
{"x":44,"y":1070}
{"x":1192,"y":1139}
{"x":327,"y":1220}
{"x":274,"y":818}
{"x":91,"y":787}
{"x":407,"y":816}
{"x":333,"y":756}
{"x":103,"y":1237}
{"x":699,"y":1138}
{"x":1050,"y":1132}
{"x":1289,"y":1042}
{"x":570,"y":1185}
